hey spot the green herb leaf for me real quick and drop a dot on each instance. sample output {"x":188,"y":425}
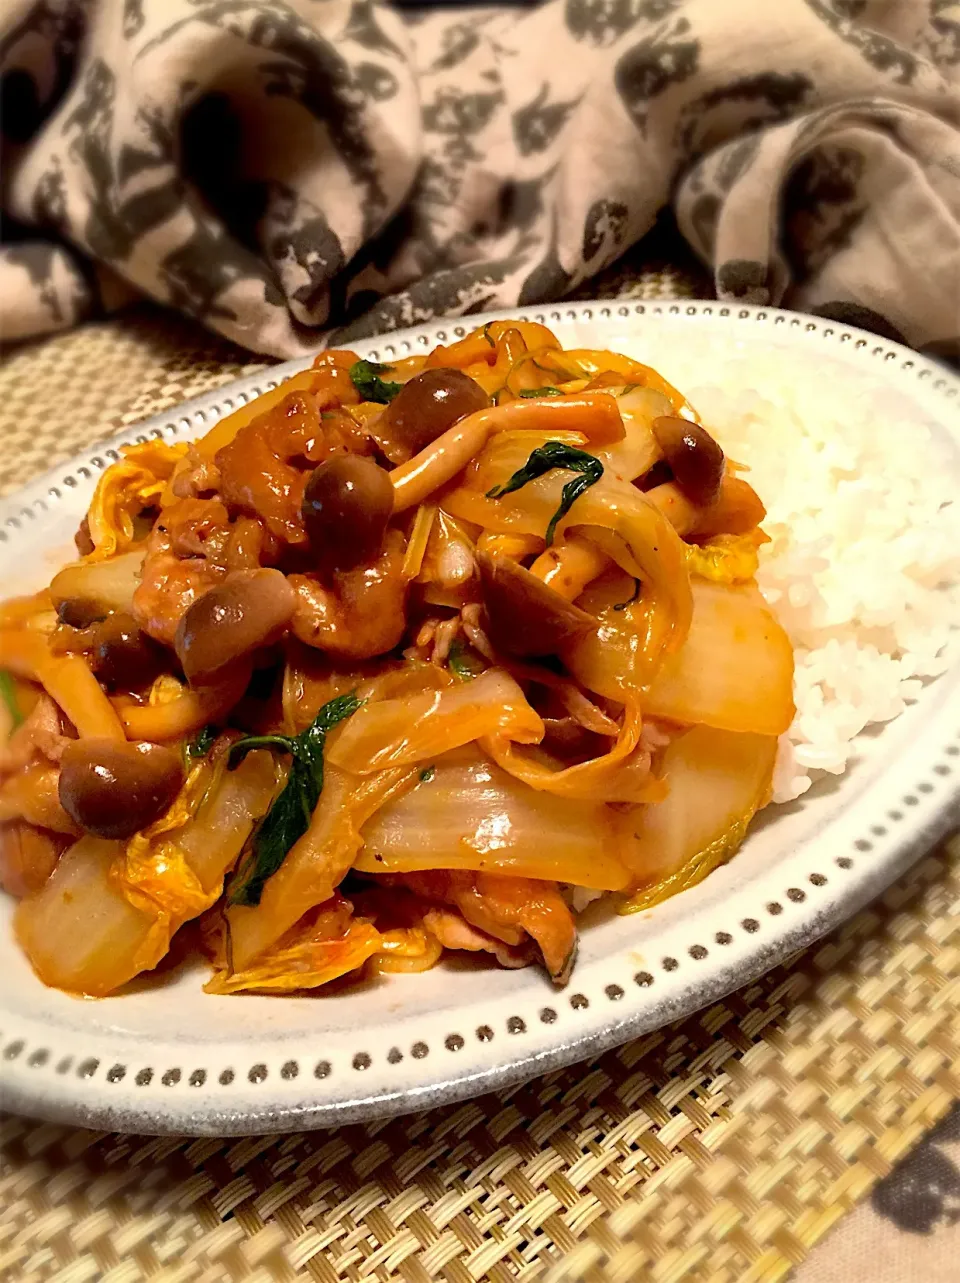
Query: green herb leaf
{"x":622,"y":605}
{"x":8,"y":693}
{"x":554,"y":454}
{"x":365,"y":376}
{"x":531,"y":393}
{"x":486,"y":334}
{"x":427,"y":774}
{"x":201,"y":744}
{"x":289,"y":817}
{"x":283,"y":826}
{"x":463,"y":663}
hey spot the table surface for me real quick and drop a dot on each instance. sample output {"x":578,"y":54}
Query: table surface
{"x":722,"y":1148}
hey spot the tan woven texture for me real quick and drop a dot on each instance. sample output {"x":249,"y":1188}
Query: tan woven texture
{"x":719,"y":1149}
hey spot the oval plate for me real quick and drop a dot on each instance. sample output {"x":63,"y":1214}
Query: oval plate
{"x":164,"y":1057}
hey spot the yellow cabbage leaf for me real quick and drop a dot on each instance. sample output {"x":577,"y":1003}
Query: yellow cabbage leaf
{"x":315,"y":865}
{"x":465,"y":812}
{"x":109,"y":909}
{"x":322,"y":946}
{"x":402,"y":732}
{"x":406,"y":949}
{"x":727,"y":559}
{"x":735,"y":669}
{"x":716,"y":780}
{"x":125,"y":489}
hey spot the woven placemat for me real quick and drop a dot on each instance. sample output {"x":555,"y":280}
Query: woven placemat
{"x":721,"y":1148}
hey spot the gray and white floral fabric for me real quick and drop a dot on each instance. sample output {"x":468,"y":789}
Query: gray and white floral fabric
{"x":278,"y":168}
{"x":908,"y":1230}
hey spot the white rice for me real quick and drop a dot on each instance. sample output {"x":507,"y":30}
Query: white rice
{"x":864,"y":563}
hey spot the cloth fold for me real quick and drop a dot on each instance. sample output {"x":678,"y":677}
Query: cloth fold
{"x":279,"y":170}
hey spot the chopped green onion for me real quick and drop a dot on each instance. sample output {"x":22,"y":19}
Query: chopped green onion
{"x":202,"y":743}
{"x":8,"y":693}
{"x":365,"y":377}
{"x":463,"y":663}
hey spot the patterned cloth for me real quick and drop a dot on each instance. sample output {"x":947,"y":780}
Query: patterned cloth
{"x":908,"y":1231}
{"x":276,"y":169}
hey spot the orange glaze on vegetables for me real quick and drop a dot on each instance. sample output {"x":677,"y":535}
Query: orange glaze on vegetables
{"x":385,"y":665}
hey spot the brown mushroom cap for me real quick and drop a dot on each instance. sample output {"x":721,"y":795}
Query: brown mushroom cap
{"x":695,"y":458}
{"x":347,"y":504}
{"x":114,"y":789}
{"x":427,"y":405}
{"x":524,"y":616}
{"x":250,"y":609}
{"x":124,"y":657}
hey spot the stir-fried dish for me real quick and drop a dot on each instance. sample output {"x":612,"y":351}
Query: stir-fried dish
{"x":397,"y":659}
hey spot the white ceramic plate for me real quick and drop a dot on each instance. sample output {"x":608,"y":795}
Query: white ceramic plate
{"x":165,"y":1057}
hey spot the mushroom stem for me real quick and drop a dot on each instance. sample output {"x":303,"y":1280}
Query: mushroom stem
{"x":189,"y":712}
{"x":67,"y":679}
{"x":594,"y":414}
{"x":570,"y":566}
